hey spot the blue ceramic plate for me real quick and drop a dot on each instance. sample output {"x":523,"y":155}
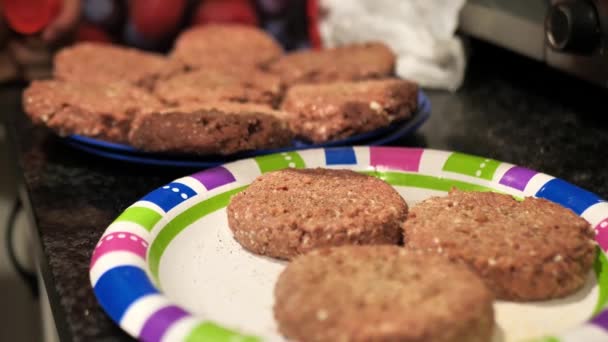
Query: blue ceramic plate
{"x":127,"y":153}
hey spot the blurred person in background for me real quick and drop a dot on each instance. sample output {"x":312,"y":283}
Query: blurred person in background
{"x":32,"y":30}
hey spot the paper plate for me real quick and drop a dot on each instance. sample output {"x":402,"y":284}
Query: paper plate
{"x":168,"y":268}
{"x":127,"y":153}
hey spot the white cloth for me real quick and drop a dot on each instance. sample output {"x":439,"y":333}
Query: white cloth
{"x":421,"y":32}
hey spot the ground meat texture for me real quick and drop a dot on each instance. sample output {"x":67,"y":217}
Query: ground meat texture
{"x":326,"y":112}
{"x":234,"y":84}
{"x":291,"y":211}
{"x":220,"y":45}
{"x":529,"y":250}
{"x":104,"y":63}
{"x":210,"y":128}
{"x":103,"y":111}
{"x":381,"y":293}
{"x":344,"y":63}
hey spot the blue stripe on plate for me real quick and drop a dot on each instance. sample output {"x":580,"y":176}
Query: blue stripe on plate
{"x":170,"y":195}
{"x":568,"y":195}
{"x":119,"y":287}
{"x":340,"y":155}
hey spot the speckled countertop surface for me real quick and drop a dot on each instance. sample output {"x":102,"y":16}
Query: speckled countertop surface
{"x":509,"y":109}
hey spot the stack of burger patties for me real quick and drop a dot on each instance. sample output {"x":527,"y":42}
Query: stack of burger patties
{"x":221,"y":90}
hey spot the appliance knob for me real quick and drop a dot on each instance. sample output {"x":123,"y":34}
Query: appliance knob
{"x":573,"y":26}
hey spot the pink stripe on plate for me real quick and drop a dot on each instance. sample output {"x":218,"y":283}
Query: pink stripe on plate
{"x":400,"y":158}
{"x":119,"y":241}
{"x":601,"y":234}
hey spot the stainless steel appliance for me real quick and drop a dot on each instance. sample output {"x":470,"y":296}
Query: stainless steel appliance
{"x":571,"y":35}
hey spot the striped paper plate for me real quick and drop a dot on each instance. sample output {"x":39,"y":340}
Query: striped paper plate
{"x":168,"y":269}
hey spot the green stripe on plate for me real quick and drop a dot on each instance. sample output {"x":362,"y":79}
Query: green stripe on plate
{"x":183,"y":220}
{"x":145,"y":217}
{"x":601,"y":273}
{"x":280,"y":161}
{"x":426,"y":182}
{"x":471,"y":165}
{"x":206,"y":332}
{"x":544,"y":339}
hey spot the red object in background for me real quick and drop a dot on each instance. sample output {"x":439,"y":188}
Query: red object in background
{"x":312,"y":9}
{"x":30,"y":16}
{"x":91,"y":33}
{"x":225,"y":11}
{"x":155,"y":19}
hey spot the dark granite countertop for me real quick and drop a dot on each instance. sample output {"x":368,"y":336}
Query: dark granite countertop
{"x":509,"y":109}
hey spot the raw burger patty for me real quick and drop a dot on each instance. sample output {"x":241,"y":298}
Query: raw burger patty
{"x":225,"y":45}
{"x":333,"y":111}
{"x":291,"y":211}
{"x":210,"y":128}
{"x":103,"y":63}
{"x":529,"y":250}
{"x":381,"y":293}
{"x":95,"y":110}
{"x":234,"y":84}
{"x":345,"y":63}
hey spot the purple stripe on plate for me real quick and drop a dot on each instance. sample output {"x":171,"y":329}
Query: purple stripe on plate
{"x":601,"y":320}
{"x":214,"y":178}
{"x":156,"y":326}
{"x":517,"y":177}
